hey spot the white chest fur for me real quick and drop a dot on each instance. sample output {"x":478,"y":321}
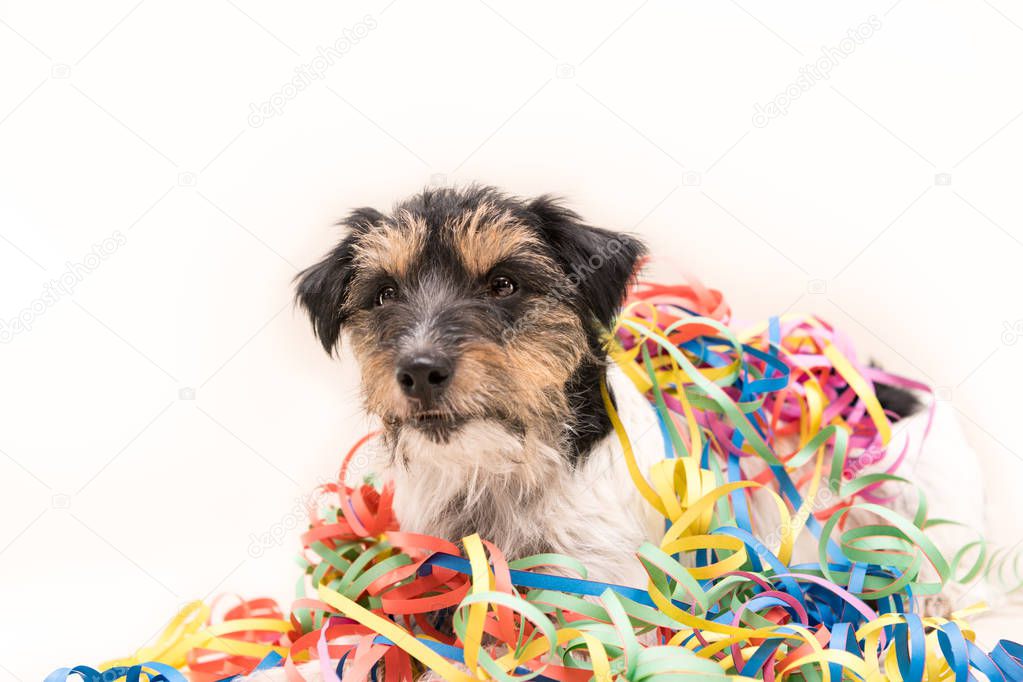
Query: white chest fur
{"x":525,"y":497}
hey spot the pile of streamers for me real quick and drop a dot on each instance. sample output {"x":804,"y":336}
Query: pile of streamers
{"x":783,"y":409}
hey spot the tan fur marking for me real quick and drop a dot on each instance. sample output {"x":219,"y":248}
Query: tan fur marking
{"x":392,"y":248}
{"x":381,"y":394}
{"x":484,"y":237}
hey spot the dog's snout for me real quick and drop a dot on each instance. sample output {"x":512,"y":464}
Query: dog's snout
{"x":425,"y":376}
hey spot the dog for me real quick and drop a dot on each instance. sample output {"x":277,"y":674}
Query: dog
{"x":480,"y":322}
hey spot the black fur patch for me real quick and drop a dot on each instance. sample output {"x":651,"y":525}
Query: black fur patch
{"x":322,"y":288}
{"x":897,"y":400}
{"x":590,"y":421}
{"x":600,"y":264}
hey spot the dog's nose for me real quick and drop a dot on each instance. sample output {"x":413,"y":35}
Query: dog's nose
{"x":425,"y":376}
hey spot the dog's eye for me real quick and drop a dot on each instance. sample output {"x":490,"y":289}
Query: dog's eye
{"x":387,"y":293}
{"x":502,"y":286}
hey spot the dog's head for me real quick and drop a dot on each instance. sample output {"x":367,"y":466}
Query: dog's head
{"x":470,"y":305}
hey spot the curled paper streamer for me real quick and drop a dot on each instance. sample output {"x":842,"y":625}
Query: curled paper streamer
{"x":783,"y":408}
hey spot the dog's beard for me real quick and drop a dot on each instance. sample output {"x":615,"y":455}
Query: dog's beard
{"x":480,"y":456}
{"x":439,"y":425}
{"x":482,"y":480}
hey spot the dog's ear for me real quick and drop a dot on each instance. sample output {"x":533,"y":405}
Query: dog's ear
{"x":323,"y":288}
{"x":599,"y":264}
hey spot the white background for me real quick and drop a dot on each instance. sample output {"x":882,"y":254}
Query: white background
{"x":120,"y":500}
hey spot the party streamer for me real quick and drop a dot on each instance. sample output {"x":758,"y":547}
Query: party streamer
{"x":782,"y":409}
